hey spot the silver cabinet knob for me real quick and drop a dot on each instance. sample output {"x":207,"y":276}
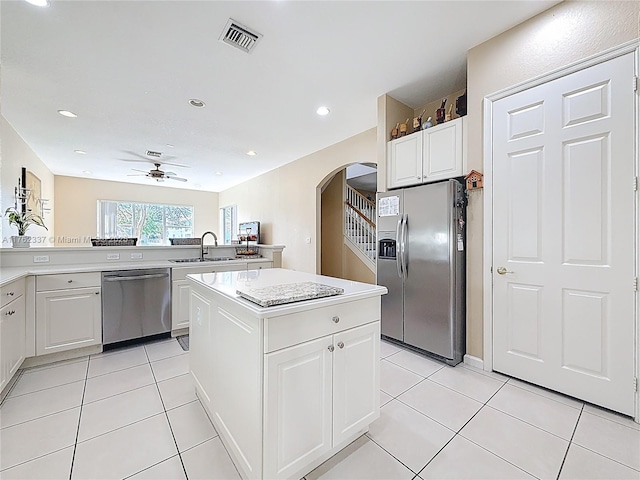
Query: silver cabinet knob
{"x":69,"y":281}
{"x":502,"y":271}
{"x":336,"y":319}
{"x":340,"y":344}
{"x":331,"y":348}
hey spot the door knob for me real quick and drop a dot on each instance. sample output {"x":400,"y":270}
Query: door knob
{"x":503,"y":271}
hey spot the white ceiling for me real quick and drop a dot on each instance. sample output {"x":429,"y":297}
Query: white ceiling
{"x":128,"y":69}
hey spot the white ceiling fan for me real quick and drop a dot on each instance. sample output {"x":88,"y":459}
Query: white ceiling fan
{"x":157,"y":174}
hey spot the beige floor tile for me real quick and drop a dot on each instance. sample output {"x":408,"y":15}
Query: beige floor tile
{"x":118,"y":411}
{"x":190,"y":425}
{"x":408,"y":435}
{"x":464,"y":460}
{"x":442,"y":404}
{"x":32,"y":381}
{"x":533,"y":450}
{"x":209,"y":461}
{"x":39,"y":437}
{"x":362,"y":459}
{"x":394,"y":379}
{"x":170,"y":367}
{"x":53,"y":466}
{"x":558,"y":397}
{"x":40,"y":403}
{"x":613,"y":416}
{"x":583,"y":464}
{"x":618,"y":442}
{"x":463,"y":380}
{"x":384,"y":398}
{"x":125,"y":451}
{"x":118,"y":382}
{"x":550,"y":415}
{"x":164,"y":349}
{"x":131,"y":357}
{"x":388,"y":348}
{"x":177,"y":391}
{"x":416,"y":363}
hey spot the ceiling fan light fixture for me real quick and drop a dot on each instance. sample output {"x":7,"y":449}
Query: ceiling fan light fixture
{"x":67,"y":113}
{"x":194,"y":102}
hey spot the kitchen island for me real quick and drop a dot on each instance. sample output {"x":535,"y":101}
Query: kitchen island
{"x":288,"y":385}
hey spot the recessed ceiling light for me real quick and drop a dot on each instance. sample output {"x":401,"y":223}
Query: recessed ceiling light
{"x":194,"y":102}
{"x":39,"y":3}
{"x":67,"y":113}
{"x":87,"y":172}
{"x":170,"y":146}
{"x":323,"y":111}
{"x":197,"y":185}
{"x":80,"y":152}
{"x":218,"y":173}
{"x":252,"y":153}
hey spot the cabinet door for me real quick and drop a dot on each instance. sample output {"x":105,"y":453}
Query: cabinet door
{"x":68,"y":319}
{"x":442,"y":151}
{"x":405,"y":164}
{"x":297,"y":407}
{"x":356,"y":380}
{"x":180,"y":293}
{"x":12,"y":339}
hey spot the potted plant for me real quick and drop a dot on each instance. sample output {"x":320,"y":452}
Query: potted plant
{"x":22,"y":220}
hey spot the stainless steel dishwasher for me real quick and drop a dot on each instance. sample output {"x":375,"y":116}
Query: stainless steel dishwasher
{"x":135,"y":304}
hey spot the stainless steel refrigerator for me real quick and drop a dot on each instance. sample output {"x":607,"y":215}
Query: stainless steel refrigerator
{"x":421,"y":261}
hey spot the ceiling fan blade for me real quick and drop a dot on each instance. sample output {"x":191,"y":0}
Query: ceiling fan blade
{"x":137,"y":175}
{"x":180,"y":179}
{"x":136,"y":161}
{"x":136,"y":155}
{"x":175,"y":164}
{"x":137,"y":170}
{"x":170,"y":174}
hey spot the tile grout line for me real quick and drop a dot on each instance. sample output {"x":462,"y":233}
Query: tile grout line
{"x":166,"y":414}
{"x":564,"y":458}
{"x":75,"y":444}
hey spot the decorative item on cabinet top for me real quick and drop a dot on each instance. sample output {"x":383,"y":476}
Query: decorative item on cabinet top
{"x":474,"y":180}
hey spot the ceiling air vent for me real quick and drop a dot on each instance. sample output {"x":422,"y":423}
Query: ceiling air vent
{"x":151,"y":153}
{"x":239,"y":36}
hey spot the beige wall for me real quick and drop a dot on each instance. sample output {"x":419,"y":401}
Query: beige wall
{"x":77,"y":200}
{"x":332,"y":226}
{"x":287,"y":200}
{"x":355,"y":269}
{"x":15,"y":154}
{"x":566,"y":33}
{"x":431,"y":107}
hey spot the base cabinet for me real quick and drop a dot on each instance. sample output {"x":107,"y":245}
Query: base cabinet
{"x":12,"y":331}
{"x":68,"y":318}
{"x":318,"y":395}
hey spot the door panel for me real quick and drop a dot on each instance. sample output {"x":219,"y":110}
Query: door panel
{"x":563,"y":229}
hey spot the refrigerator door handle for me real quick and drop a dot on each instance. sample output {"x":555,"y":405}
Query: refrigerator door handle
{"x":405,"y":233}
{"x":399,"y":243}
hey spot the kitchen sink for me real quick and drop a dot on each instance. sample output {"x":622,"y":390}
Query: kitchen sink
{"x":196,"y":260}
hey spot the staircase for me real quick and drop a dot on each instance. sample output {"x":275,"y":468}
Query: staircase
{"x":360,"y":226}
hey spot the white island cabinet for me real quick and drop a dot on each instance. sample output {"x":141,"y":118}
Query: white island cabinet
{"x":286,"y":386}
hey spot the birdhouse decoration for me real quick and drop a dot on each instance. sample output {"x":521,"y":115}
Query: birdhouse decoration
{"x":474,"y":180}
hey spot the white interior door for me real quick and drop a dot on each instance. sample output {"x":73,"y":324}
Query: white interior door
{"x":563,"y":229}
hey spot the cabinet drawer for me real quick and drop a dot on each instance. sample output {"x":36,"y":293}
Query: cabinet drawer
{"x":11,"y":291}
{"x":64,"y":281}
{"x":286,"y":330}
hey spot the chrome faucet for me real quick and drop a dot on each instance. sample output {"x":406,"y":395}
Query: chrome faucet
{"x":215,"y":239}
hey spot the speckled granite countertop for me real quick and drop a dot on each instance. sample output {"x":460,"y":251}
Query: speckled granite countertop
{"x":288,"y":293}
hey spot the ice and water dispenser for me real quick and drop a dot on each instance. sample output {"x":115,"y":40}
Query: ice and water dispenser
{"x":387,"y":246}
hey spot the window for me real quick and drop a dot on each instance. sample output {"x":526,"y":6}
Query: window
{"x":229,"y":223}
{"x":150,"y":223}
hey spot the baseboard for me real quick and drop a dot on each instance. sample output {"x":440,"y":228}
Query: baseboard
{"x":474,"y":361}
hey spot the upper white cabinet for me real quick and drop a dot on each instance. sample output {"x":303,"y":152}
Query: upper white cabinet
{"x":68,"y":312}
{"x":427,"y":156}
{"x":12,"y":330}
{"x":405,"y":161}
